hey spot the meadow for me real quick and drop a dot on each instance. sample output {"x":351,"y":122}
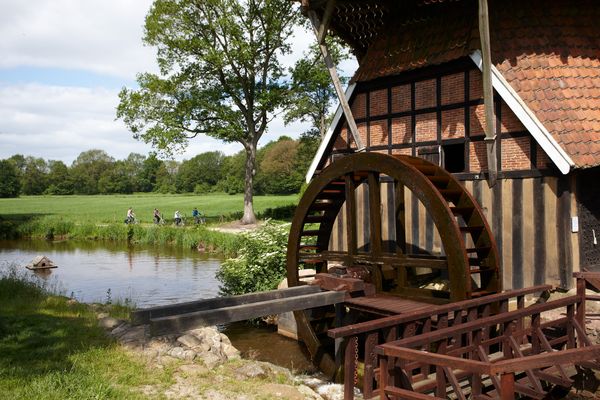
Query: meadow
{"x":113,"y":208}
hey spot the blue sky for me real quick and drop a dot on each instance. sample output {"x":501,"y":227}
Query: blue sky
{"x":63,"y":63}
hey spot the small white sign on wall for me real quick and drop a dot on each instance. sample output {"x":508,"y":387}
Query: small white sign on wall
{"x":574,"y":224}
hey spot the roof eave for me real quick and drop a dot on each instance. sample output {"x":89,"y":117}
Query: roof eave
{"x":539,"y":132}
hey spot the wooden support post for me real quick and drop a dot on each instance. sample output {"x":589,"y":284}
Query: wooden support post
{"x":488,"y":92}
{"x":507,"y":383}
{"x":375,"y":213}
{"x":351,"y":217}
{"x":580,"y":312}
{"x":370,"y":364}
{"x":314,"y":19}
{"x":383,"y":376}
{"x":350,"y":367}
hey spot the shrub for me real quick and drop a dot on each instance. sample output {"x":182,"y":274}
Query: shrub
{"x":260,"y":264}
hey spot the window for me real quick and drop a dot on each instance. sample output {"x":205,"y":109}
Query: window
{"x":454,"y":157}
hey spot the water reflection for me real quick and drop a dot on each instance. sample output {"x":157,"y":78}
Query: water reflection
{"x":147,"y":275}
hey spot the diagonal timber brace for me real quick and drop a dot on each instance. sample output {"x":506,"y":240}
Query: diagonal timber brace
{"x":320,"y":29}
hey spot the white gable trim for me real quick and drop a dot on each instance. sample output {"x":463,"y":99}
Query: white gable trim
{"x":329,"y":135}
{"x":556,"y":153}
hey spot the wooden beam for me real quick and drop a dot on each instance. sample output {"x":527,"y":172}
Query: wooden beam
{"x":488,"y":92}
{"x":143,"y":316}
{"x":325,"y":22}
{"x":183,"y":322}
{"x":374,"y":213}
{"x":351,"y":227}
{"x":314,"y":19}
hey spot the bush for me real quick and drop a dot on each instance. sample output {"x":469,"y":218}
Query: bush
{"x":280,"y":213}
{"x":260,"y":264}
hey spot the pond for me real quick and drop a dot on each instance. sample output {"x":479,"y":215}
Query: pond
{"x":148,"y":276}
{"x":97,"y":271}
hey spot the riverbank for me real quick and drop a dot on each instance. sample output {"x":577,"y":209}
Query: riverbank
{"x":54,"y":348}
{"x":200,"y":237}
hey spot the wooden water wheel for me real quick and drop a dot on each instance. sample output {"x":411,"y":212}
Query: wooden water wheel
{"x":469,"y":261}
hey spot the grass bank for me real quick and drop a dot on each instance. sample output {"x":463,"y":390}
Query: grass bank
{"x":53,"y":349}
{"x":101,"y":218}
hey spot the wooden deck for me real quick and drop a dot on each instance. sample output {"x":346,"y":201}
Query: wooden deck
{"x":385,"y":305}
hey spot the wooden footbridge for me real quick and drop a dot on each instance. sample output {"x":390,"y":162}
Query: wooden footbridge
{"x":370,"y":315}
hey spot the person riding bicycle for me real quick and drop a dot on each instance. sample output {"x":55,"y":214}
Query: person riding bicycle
{"x":130,"y":216}
{"x":177,"y":218}
{"x":156,"y":216}
{"x":196,"y":215}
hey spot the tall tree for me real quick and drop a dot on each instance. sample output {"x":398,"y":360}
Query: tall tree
{"x":35,"y":176}
{"x":87,"y":169}
{"x":9,"y":179}
{"x":220,"y":75}
{"x":312,"y":93}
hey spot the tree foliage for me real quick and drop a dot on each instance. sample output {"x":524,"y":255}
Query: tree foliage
{"x":220,"y":75}
{"x":9,"y":179}
{"x":312,"y":93}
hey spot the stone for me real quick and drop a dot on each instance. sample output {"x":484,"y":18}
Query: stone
{"x":109,"y":322}
{"x":190,"y":341}
{"x":101,"y":315}
{"x":177,"y":352}
{"x":224,"y":338}
{"x":230,"y":352}
{"x":308,"y":393}
{"x":210,"y":360}
{"x":189,"y":355}
{"x":250,"y":370}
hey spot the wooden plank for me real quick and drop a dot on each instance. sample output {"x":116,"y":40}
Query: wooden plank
{"x":374,"y":213}
{"x":528,"y":232}
{"x":569,"y":356}
{"x":507,"y":261}
{"x":488,"y":91}
{"x":314,"y":19}
{"x":442,"y":360}
{"x":183,"y":322}
{"x":517,"y":233}
{"x":497,"y":226}
{"x":550,"y":198}
{"x":350,"y":217}
{"x":143,"y":316}
{"x":539,"y":236}
{"x":563,"y":219}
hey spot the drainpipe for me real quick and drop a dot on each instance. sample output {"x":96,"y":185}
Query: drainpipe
{"x":488,"y":93}
{"x":320,"y":29}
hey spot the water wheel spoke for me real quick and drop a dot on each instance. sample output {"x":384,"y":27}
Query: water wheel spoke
{"x":374,"y":212}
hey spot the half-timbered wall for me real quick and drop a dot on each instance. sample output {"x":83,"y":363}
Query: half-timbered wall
{"x":434,"y":114}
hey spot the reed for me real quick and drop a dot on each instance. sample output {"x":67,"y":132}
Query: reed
{"x":189,"y":237}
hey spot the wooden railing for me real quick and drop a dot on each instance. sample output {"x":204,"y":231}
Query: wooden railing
{"x":511,"y":350}
{"x":368,"y":335}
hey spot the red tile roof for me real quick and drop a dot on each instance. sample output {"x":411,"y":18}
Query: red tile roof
{"x":549,"y":52}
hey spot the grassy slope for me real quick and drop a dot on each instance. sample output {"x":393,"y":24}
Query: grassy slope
{"x":113,"y":208}
{"x":53,"y":350}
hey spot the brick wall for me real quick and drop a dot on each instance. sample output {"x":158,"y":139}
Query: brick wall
{"x":515,"y":154}
{"x":401,"y":98}
{"x":378,"y":133}
{"x":378,"y":104}
{"x":440,"y":101}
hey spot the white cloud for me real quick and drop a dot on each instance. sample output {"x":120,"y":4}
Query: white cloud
{"x":102,"y":36}
{"x":99,"y":36}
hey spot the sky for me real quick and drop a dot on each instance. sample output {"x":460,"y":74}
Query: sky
{"x":62,"y":65}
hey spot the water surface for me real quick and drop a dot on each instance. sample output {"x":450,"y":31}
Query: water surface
{"x":97,"y":271}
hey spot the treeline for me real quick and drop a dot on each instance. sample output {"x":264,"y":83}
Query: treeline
{"x":282,"y":165}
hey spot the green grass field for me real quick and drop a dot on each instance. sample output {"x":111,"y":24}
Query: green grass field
{"x":113,"y":208}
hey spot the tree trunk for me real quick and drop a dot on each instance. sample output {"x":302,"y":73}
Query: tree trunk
{"x":249,"y":217}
